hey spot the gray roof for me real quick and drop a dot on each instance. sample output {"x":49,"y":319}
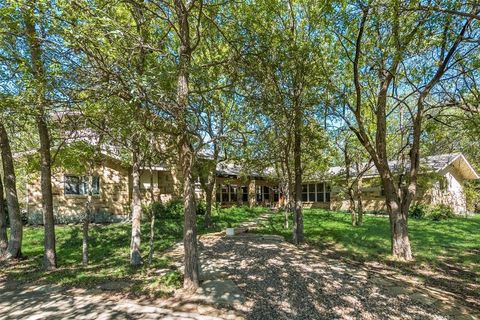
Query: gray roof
{"x":234,"y":169}
{"x":434,"y":163}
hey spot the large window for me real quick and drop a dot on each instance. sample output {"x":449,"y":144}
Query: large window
{"x":263,"y":193}
{"x":233,"y":193}
{"x":316,"y":192}
{"x":80,"y":185}
{"x":224,"y":189}
{"x":244,"y":194}
{"x":228,"y":193}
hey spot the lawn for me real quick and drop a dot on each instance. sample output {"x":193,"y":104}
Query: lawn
{"x":453,"y":242}
{"x":109,"y":254}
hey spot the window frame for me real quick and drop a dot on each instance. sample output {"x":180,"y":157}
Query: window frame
{"x":83,"y":185}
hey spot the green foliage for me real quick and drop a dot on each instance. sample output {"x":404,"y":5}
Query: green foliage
{"x":434,"y":213}
{"x":418,"y":211}
{"x":201,"y":207}
{"x":172,"y":279}
{"x":378,"y":212}
{"x":171,"y":210}
{"x":440,"y":212}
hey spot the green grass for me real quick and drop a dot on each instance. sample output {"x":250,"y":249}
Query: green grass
{"x":453,"y":242}
{"x":109,"y":253}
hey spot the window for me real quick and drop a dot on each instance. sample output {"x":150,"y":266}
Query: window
{"x":95,"y":185}
{"x":233,"y":193}
{"x":218,"y":194}
{"x":305,"y":192}
{"x":316,"y":192}
{"x":276,"y":194}
{"x":311,"y":193}
{"x":266,"y":193}
{"x":79,"y":185}
{"x":245,"y":194}
{"x":225,"y":193}
{"x":259,"y":193}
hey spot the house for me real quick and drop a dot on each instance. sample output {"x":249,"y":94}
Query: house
{"x":441,"y":181}
{"x":110,"y":180}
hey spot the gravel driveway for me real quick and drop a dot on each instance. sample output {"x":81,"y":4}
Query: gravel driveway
{"x":282,"y":281}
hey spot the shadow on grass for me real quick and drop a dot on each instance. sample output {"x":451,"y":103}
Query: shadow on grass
{"x":109,"y":253}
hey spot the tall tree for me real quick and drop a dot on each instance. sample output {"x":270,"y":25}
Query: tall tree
{"x":39,"y":84}
{"x":393,"y":41}
{"x":186,"y":46}
{"x":282,"y":73}
{"x":14,"y":249}
{"x":3,"y":222}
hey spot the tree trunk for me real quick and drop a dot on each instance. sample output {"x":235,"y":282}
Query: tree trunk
{"x":208,"y":204}
{"x":186,"y":154}
{"x":135,"y":257}
{"x":286,"y":206}
{"x":86,"y":220}
{"x":34,"y":44}
{"x":352,"y":207}
{"x":152,"y":219}
{"x":86,"y":223}
{"x":359,"y":202}
{"x":16,"y":226}
{"x":3,"y":223}
{"x":50,"y":258}
{"x":400,"y":243}
{"x":191,"y":279}
{"x":297,"y":213}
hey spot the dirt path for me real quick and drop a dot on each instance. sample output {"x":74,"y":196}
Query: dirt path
{"x":282,"y":281}
{"x":52,"y":302}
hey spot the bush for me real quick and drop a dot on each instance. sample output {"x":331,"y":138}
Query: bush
{"x":440,"y":212}
{"x":418,"y":211}
{"x":201,"y":207}
{"x":378,"y":212}
{"x":435,"y":213}
{"x":172,"y":209}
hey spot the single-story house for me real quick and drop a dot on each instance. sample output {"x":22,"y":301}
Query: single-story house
{"x":112,"y":188}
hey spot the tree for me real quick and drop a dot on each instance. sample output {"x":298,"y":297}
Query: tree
{"x":3,"y":222}
{"x":394,"y":41}
{"x":282,"y":74}
{"x":39,"y":85}
{"x":14,"y":249}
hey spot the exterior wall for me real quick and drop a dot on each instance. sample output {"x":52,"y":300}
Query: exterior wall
{"x":163,"y":186}
{"x":449,"y":191}
{"x":443,"y":188}
{"x":372,"y":197}
{"x":112,"y":201}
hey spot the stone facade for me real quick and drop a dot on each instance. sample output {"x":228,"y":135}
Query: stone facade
{"x":112,"y":200}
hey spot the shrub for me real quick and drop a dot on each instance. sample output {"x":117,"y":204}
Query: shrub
{"x":440,"y":212}
{"x":174,"y":208}
{"x":170,"y":210}
{"x":201,"y":207}
{"x":378,"y":212}
{"x":418,"y":211}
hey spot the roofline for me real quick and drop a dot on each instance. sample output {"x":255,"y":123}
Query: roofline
{"x":450,"y":162}
{"x":470,"y":167}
